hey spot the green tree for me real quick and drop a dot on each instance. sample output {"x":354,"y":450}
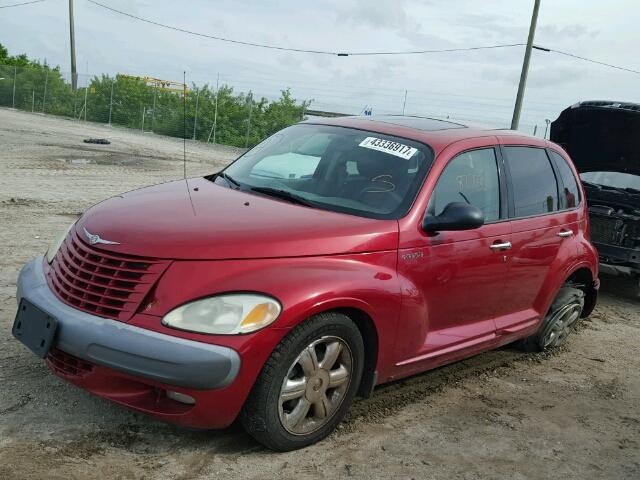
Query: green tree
{"x":242,"y":119}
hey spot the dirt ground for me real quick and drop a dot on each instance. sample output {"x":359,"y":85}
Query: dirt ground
{"x":503,"y":414}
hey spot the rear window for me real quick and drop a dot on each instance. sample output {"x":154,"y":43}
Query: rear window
{"x":534,"y":185}
{"x":570,"y":194}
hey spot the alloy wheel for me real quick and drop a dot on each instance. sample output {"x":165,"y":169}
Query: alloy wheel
{"x":561,"y":325}
{"x":315,"y":385}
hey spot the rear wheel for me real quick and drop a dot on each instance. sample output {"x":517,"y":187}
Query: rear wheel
{"x":307,"y":385}
{"x":559,"y":323}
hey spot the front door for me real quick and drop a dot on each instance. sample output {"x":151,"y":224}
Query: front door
{"x":454,"y":281}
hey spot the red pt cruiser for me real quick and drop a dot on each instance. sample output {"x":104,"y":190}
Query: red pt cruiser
{"x":333,"y":257}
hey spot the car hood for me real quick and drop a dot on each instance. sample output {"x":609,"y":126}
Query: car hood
{"x":600,"y":136}
{"x":197,"y":219}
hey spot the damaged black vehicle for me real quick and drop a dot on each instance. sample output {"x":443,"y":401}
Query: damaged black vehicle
{"x":603,"y":139}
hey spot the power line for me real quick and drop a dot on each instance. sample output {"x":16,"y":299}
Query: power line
{"x":345,"y":54}
{"x":299,"y":50}
{"x":630,"y":70}
{"x":20,"y":4}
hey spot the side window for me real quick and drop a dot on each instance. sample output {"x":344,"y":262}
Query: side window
{"x":570,"y":196}
{"x":535,"y":189}
{"x":470,"y":177}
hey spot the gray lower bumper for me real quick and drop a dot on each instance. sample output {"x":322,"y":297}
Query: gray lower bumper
{"x":129,"y":349}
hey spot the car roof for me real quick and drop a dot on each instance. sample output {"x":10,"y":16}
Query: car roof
{"x":436,"y":133}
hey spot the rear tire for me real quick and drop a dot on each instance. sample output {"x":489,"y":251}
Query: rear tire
{"x":560,"y":321}
{"x":307,"y":384}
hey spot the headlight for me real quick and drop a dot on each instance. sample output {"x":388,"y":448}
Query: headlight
{"x":57,"y":243}
{"x":229,"y":314}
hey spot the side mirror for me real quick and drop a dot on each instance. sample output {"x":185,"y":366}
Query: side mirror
{"x":455,"y":216}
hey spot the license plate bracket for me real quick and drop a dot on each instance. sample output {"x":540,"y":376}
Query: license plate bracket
{"x":35,"y":328}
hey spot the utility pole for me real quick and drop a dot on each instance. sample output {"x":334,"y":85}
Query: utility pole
{"x":515,"y":121}
{"x":72,"y":37}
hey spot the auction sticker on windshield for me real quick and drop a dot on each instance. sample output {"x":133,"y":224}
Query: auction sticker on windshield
{"x":388,"y":146}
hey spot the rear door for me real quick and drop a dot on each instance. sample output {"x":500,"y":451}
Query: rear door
{"x":542,"y":227}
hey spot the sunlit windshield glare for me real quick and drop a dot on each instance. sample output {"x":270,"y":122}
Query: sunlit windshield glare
{"x":334,"y":168}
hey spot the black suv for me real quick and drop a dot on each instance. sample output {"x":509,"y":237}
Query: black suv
{"x":603,"y":139}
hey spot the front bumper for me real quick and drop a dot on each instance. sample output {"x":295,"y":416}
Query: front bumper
{"x":125,"y":348}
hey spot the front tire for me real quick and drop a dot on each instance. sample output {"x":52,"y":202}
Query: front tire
{"x":307,"y":384}
{"x":560,"y":321}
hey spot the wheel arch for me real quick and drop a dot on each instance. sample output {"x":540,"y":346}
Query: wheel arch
{"x":369,"y":334}
{"x":582,"y":277}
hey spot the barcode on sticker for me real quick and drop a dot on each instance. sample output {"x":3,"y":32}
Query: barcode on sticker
{"x":388,"y":146}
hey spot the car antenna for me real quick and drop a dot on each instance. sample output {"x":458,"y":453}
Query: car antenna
{"x":184,"y":122}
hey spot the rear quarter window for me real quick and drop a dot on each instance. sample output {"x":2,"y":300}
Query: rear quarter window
{"x":570,"y":193}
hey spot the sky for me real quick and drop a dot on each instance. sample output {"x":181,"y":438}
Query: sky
{"x":474,"y":86}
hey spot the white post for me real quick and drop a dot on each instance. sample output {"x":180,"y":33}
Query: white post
{"x":44,"y":96}
{"x":153,"y":114}
{"x":15,"y":74}
{"x":546,"y":129}
{"x":144,"y":109}
{"x":195,"y":121}
{"x":404,"y":104}
{"x":86,"y":90}
{"x":111,"y":101}
{"x":215,"y":114}
{"x":246,"y":140}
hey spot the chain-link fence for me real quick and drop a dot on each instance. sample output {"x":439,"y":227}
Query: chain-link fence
{"x":220,"y":113}
{"x":217,"y":115}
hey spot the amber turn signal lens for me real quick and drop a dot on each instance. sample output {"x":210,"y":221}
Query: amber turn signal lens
{"x":261,"y":314}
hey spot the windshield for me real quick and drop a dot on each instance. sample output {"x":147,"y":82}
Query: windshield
{"x":334,"y":168}
{"x":612,"y":179}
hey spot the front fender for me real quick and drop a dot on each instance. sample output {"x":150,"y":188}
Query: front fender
{"x":304,"y":286}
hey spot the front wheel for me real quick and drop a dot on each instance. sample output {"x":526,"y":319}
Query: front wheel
{"x":307,"y":385}
{"x":560,"y":321}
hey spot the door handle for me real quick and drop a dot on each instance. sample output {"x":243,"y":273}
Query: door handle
{"x":565,"y":233}
{"x":500,"y":246}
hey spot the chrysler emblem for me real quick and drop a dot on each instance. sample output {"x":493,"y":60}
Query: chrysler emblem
{"x":93,"y":239}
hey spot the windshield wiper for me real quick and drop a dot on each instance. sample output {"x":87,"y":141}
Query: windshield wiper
{"x":615,"y":189}
{"x":604,"y":187}
{"x":284,"y":195}
{"x":229,"y":179}
{"x":594,"y":185}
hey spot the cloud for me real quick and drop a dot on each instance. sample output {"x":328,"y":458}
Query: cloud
{"x":385,"y":14}
{"x":552,"y":32}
